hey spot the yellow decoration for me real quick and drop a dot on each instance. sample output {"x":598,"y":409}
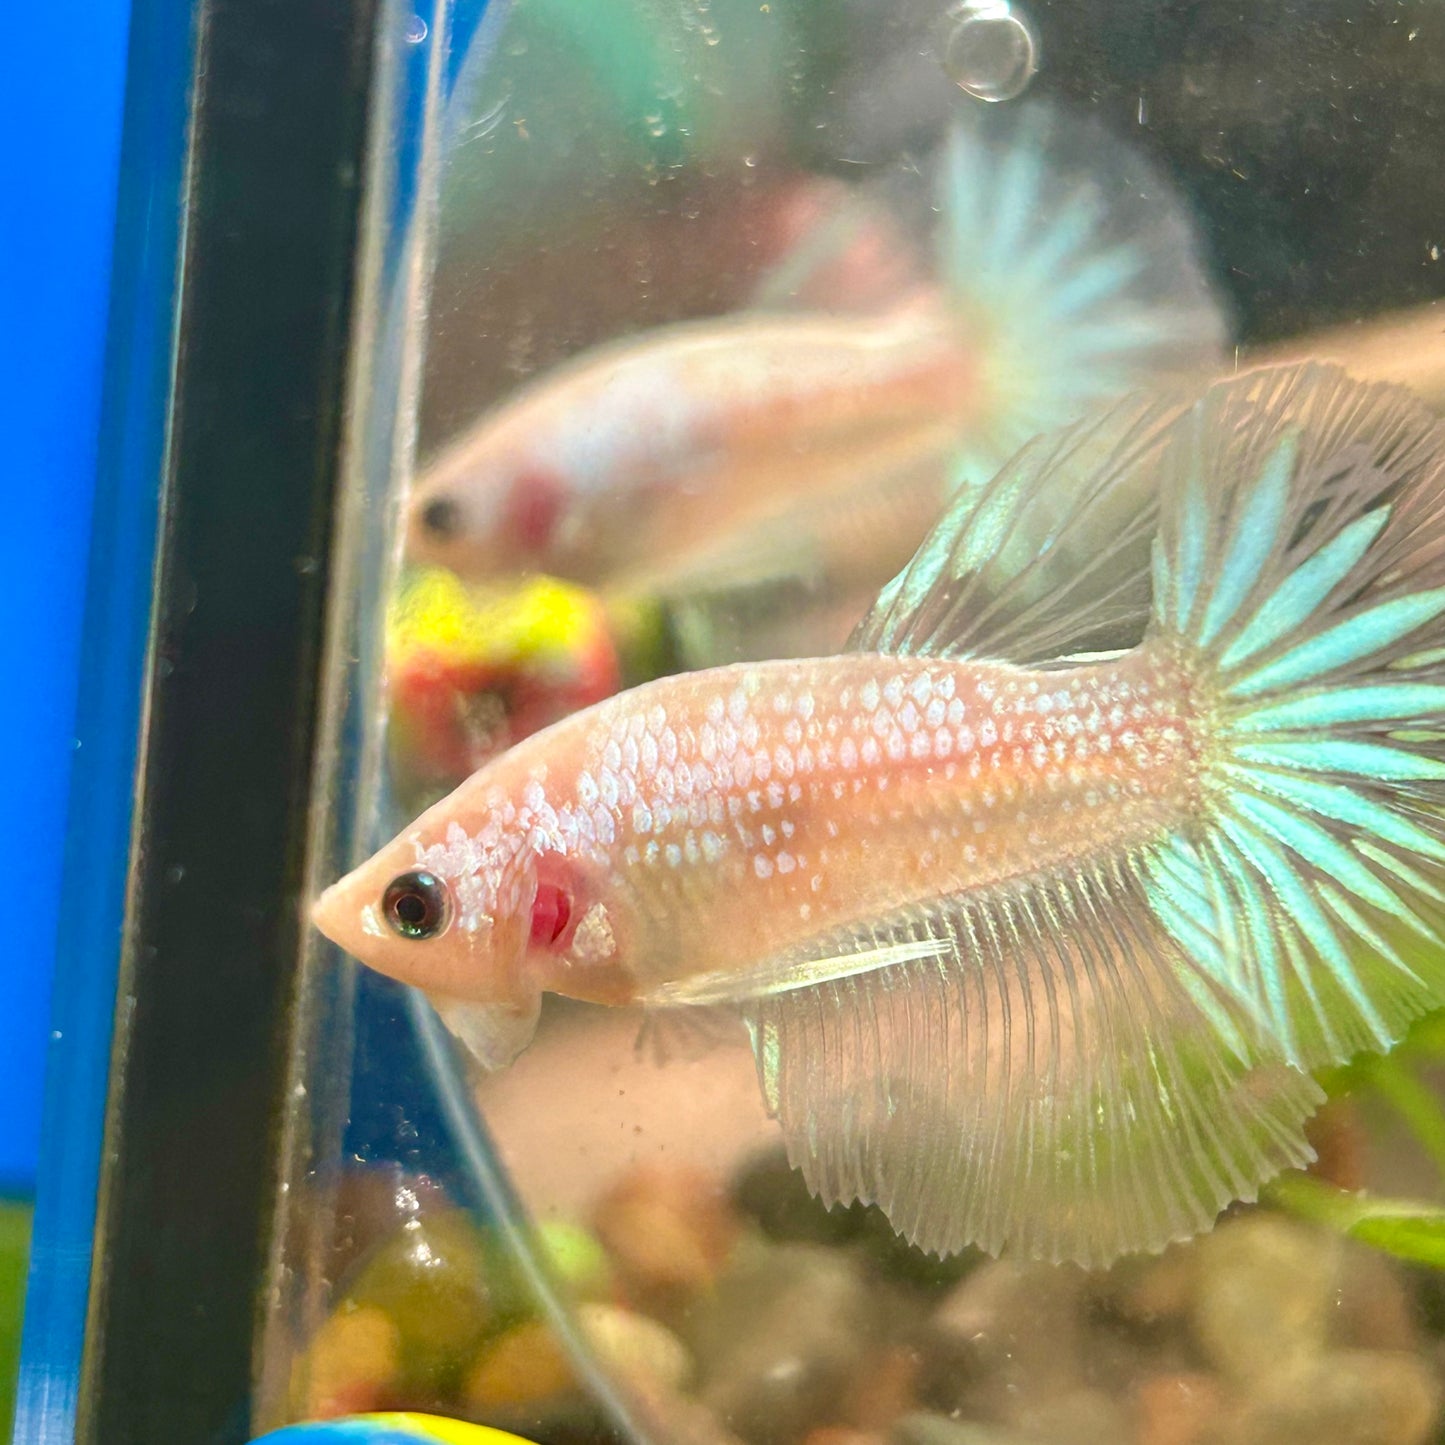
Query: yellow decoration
{"x":436,"y":612}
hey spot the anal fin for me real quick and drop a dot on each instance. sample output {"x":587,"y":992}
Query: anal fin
{"x":1047,"y":1082}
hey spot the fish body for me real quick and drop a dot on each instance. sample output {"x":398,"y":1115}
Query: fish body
{"x":741,"y":487}
{"x":473,"y":668}
{"x":1036,"y":947}
{"x":646,"y":449}
{"x":770,"y":803}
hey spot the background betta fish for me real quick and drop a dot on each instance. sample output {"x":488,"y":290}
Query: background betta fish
{"x":1036,"y":950}
{"x":718,"y":449}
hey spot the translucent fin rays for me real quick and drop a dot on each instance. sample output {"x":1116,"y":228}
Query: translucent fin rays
{"x":1054,"y":1081}
{"x":1050,"y":558}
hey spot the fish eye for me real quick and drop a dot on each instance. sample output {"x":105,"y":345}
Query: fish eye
{"x":442,"y":517}
{"x":417,"y":905}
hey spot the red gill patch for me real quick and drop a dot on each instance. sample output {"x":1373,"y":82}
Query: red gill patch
{"x":534,"y":507}
{"x":558,"y":904}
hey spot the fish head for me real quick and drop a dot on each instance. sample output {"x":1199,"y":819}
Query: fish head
{"x":557,"y":479}
{"x":496,"y":507}
{"x":484,"y":903}
{"x":437,"y":909}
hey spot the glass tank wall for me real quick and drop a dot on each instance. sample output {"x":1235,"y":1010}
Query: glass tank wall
{"x":681,"y":323}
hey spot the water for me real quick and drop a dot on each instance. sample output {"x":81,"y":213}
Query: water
{"x":592,"y":1245}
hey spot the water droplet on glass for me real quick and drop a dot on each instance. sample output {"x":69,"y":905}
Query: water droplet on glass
{"x":416,"y":30}
{"x":989,"y":49}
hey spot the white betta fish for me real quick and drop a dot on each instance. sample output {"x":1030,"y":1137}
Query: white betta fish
{"x":1036,"y":950}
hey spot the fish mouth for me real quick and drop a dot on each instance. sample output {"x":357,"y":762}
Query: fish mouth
{"x":337,"y":917}
{"x":323,"y":911}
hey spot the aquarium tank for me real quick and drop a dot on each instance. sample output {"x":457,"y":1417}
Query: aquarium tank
{"x":769,"y":751}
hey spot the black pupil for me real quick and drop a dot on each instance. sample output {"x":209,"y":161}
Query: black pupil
{"x":411,"y":909}
{"x":415,"y":905}
{"x":441,"y":517}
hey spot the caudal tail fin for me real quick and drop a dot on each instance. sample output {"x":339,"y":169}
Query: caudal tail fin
{"x":1073,"y":267}
{"x":1299,"y":571}
{"x":1069,"y":263}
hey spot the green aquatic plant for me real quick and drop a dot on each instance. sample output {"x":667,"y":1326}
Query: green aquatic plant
{"x":1406,"y":1228}
{"x":1409,"y":1229}
{"x":15,"y":1219}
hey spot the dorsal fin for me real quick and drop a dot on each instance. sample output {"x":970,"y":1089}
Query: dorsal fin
{"x":853,"y":253}
{"x":1071,"y":264}
{"x":1049,"y":559}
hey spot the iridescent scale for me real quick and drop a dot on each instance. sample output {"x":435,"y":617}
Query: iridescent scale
{"x":806,"y":796}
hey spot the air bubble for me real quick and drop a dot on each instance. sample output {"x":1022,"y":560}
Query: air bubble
{"x":416,"y":30}
{"x":989,"y":49}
